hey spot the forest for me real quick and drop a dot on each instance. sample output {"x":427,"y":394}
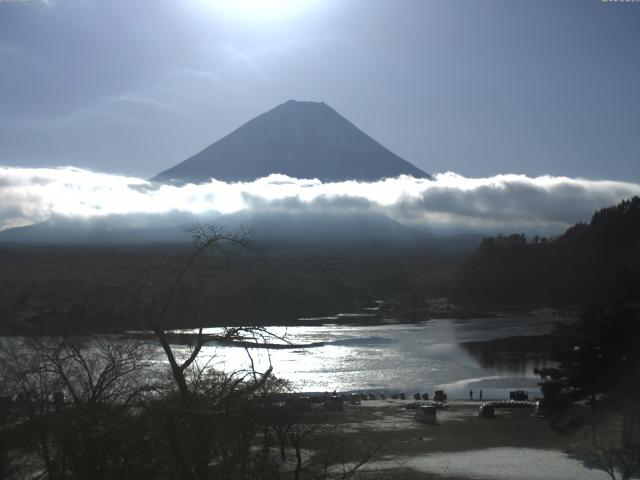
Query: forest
{"x":46,"y":289}
{"x":583,"y":264}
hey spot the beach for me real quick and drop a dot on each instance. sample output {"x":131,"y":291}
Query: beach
{"x":461,"y":445}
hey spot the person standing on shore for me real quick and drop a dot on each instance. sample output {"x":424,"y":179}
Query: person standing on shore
{"x":470,"y":394}
{"x":480,"y":394}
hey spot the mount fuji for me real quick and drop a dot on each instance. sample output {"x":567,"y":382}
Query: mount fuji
{"x":298,"y":139}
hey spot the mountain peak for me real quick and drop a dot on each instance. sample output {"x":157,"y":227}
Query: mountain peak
{"x":301,"y":139}
{"x":301,"y":105}
{"x":294,"y":103}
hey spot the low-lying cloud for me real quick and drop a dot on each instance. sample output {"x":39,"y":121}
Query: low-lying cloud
{"x":450,"y":203}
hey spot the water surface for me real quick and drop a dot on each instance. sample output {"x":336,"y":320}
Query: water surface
{"x":454,"y":355}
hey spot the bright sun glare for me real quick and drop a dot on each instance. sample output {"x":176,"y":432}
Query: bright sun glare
{"x":259,"y":10}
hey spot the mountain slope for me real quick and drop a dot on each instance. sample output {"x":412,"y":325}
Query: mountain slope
{"x":299,"y":139}
{"x":269,"y":228}
{"x":280,"y":232}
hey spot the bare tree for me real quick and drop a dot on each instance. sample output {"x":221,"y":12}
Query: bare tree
{"x":617,"y":462}
{"x":199,"y":436}
{"x":209,"y":240}
{"x":66,"y":398}
{"x":340,"y":460}
{"x":121,"y":419}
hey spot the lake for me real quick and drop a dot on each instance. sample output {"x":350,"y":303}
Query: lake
{"x":492,"y":354}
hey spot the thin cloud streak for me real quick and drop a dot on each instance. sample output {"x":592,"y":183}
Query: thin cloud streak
{"x":449,"y":203}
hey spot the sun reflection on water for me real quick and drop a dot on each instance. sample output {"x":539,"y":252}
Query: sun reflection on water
{"x":410,"y":358}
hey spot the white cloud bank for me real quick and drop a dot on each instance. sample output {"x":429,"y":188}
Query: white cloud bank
{"x":452,"y":203}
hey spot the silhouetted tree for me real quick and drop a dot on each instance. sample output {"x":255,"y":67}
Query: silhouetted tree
{"x":71,"y":401}
{"x":103,"y":408}
{"x":598,"y":366}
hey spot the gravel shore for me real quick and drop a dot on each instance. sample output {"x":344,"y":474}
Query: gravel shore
{"x":513,"y":445}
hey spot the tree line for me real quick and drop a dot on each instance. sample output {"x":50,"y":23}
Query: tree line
{"x":564,"y":271}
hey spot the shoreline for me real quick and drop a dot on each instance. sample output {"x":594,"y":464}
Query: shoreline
{"x":44,"y":326}
{"x":514,"y":445}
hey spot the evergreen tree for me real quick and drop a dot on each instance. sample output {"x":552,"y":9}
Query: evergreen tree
{"x":598,"y":368}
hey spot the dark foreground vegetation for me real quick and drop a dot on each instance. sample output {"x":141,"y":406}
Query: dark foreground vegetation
{"x":76,"y":407}
{"x":595,"y":379}
{"x":595,"y":382}
{"x":98,"y":409}
{"x":104,"y":408}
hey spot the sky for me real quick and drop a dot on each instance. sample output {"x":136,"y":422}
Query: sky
{"x":478,"y":88}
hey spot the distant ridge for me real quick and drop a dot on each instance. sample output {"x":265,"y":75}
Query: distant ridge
{"x":278,"y":231}
{"x":298,"y":139}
